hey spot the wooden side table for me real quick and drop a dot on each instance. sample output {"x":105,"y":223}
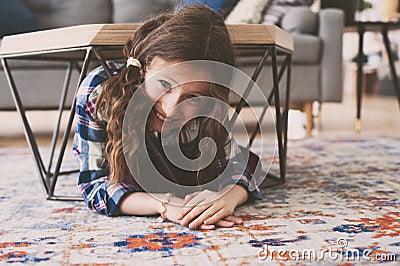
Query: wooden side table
{"x":377,"y":26}
{"x":101,"y":42}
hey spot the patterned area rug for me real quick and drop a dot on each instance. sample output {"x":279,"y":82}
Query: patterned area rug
{"x":340,"y":206}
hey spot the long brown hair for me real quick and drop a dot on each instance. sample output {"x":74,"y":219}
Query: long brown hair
{"x":193,"y":33}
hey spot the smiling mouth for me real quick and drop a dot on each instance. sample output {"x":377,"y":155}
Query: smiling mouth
{"x":161,"y":117}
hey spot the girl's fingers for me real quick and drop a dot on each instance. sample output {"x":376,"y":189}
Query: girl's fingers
{"x":226,"y":224}
{"x":219,"y":215}
{"x":205,"y":214}
{"x":188,"y":197}
{"x":188,"y":207}
{"x":234,"y":219}
{"x":192,"y":214}
{"x":205,"y":196}
{"x":207,"y":227}
{"x":195,"y":200}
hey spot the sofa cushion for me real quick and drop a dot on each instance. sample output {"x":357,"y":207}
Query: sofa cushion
{"x":300,"y":20}
{"x":247,"y":12}
{"x":15,"y":18}
{"x":274,"y":14}
{"x":62,"y":13}
{"x":133,"y":11}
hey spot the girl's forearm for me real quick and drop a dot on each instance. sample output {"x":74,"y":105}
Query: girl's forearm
{"x":141,"y":203}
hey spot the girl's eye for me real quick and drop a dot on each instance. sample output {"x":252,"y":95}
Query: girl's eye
{"x":193,"y":98}
{"x":165,"y":84}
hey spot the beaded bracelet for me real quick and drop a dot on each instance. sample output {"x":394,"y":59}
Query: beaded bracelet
{"x":164,"y":203}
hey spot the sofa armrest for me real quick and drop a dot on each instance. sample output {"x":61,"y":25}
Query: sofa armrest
{"x":330,"y":31}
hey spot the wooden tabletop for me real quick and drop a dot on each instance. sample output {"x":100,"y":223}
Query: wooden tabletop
{"x":117,"y":34}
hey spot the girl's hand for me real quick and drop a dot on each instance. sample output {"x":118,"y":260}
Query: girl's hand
{"x":228,"y":221}
{"x":174,"y":210}
{"x":210,"y":207}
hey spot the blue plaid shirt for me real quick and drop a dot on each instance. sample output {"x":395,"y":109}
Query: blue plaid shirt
{"x":90,"y":140}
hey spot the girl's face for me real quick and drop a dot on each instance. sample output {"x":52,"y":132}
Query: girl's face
{"x":169,"y":88}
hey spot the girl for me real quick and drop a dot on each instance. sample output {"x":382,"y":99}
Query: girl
{"x":107,"y":184}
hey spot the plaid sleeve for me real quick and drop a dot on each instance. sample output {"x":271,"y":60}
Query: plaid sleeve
{"x":238,"y":172}
{"x":89,"y":142}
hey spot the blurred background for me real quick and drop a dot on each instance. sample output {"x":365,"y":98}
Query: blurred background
{"x":380,"y":107}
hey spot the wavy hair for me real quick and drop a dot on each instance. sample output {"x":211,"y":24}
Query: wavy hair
{"x":193,"y":33}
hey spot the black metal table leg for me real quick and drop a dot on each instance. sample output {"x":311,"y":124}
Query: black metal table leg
{"x":265,"y":108}
{"x":281,"y":120}
{"x":83,"y":73}
{"x":246,"y":93}
{"x":60,"y":111}
{"x":360,"y":63}
{"x":67,"y":132}
{"x":391,"y":63}
{"x":47,"y":177}
{"x":27,"y":129}
{"x":286,"y":111}
{"x":278,"y":116}
{"x":281,"y":117}
{"x":102,"y":62}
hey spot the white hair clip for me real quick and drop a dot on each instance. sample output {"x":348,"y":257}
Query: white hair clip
{"x":133,"y":62}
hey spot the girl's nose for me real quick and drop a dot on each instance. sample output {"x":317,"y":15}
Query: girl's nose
{"x":169,"y":100}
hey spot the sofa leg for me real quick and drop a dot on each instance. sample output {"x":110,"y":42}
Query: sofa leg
{"x":308,"y":109}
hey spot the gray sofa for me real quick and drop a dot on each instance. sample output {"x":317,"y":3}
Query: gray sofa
{"x":317,"y":60}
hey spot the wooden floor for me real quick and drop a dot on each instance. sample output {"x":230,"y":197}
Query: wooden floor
{"x":380,"y":117}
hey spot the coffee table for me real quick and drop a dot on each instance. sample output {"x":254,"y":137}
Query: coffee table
{"x":81,"y":45}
